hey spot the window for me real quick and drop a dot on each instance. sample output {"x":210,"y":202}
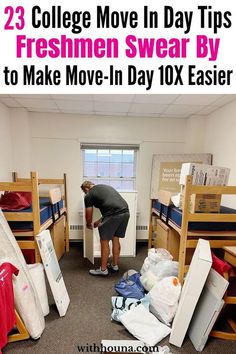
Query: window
{"x":114,"y":165}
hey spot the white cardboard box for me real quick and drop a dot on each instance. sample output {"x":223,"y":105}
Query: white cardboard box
{"x":208,"y":309}
{"x":196,"y":277}
{"x":203,"y":174}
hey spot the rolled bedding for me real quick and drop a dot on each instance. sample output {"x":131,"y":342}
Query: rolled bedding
{"x":25,"y":296}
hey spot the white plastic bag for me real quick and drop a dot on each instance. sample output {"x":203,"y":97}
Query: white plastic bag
{"x":157,"y":272}
{"x":155,"y":255}
{"x":159,"y":254}
{"x":165,"y":269}
{"x":145,"y":266}
{"x":164,"y":297}
{"x":148,"y":280}
{"x":144,"y":326}
{"x":164,"y":350}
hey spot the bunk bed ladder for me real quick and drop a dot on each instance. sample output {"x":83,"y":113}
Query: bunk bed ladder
{"x":36,"y":212}
{"x":184,"y":229}
{"x":66,"y":215}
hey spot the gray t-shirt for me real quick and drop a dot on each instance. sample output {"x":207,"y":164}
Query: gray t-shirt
{"x":106,"y":199}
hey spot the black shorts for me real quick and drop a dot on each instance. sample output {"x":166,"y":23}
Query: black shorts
{"x":113,"y":225}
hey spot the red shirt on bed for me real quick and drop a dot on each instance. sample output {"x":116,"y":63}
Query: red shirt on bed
{"x":7,"y":313}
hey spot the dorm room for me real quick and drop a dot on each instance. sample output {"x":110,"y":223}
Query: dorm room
{"x":119,"y":152}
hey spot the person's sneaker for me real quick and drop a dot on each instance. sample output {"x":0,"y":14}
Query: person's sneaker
{"x":99,"y":271}
{"x":112,"y":268}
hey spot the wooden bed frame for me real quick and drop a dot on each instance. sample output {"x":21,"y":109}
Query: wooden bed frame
{"x":32,"y":185}
{"x":22,"y":333}
{"x":189,"y":239}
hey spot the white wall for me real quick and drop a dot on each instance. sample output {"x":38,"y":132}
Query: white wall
{"x":220,"y":140}
{"x":21,"y":140}
{"x":195,"y":136}
{"x":15,"y":142}
{"x":5,"y":144}
{"x":56,"y":141}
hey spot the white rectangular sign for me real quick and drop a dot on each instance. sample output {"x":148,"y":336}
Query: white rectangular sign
{"x":53,"y":271}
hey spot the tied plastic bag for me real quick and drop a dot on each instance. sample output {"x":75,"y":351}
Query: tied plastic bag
{"x":165,"y":269}
{"x":146,"y":265}
{"x":157,"y":272}
{"x":159,"y":254}
{"x":121,"y":305}
{"x":155,"y":255}
{"x":144,"y":326}
{"x":164,"y":298}
{"x":130,"y":286}
{"x":148,"y":280}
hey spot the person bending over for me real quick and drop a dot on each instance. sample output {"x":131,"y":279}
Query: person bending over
{"x":111,"y":226}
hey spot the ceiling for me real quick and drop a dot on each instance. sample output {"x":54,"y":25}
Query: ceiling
{"x":156,"y":106}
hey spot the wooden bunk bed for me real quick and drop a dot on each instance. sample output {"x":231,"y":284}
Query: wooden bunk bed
{"x":217,"y":239}
{"x":188,"y":237}
{"x":58,"y":222}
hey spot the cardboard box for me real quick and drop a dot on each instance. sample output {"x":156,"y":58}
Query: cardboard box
{"x":206,"y":175}
{"x":168,"y":238}
{"x":207,"y":310}
{"x":192,"y":288}
{"x":205,"y":203}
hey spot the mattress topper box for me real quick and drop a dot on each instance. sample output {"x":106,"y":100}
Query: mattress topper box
{"x":203,"y":174}
{"x":196,"y":277}
{"x":207,"y":310}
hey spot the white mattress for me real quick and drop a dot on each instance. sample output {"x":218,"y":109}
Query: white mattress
{"x":26,"y":298}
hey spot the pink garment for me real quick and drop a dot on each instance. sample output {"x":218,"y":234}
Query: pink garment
{"x":7,"y":309}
